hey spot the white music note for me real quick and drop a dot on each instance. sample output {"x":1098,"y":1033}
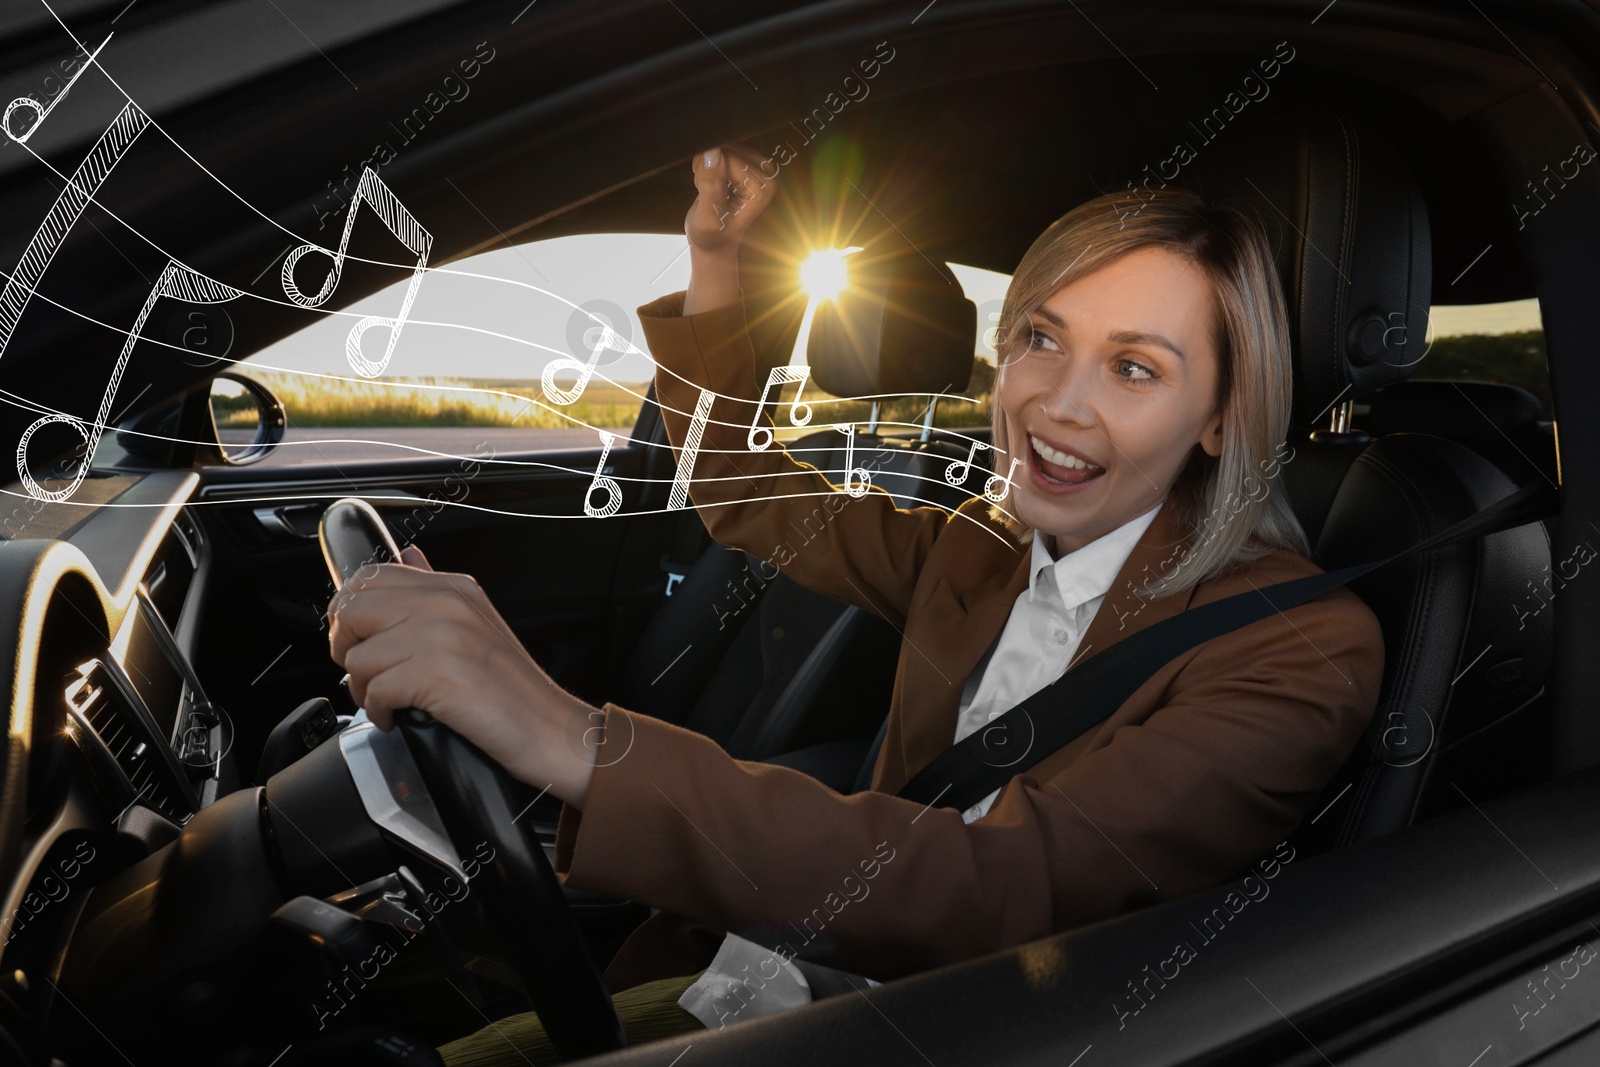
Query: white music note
{"x":1005,"y":483}
{"x":176,"y":281}
{"x":69,"y":206}
{"x":779,"y":376}
{"x":854,"y":485}
{"x":964,"y":466}
{"x":41,"y":113}
{"x":691,"y":448}
{"x":602,"y":481}
{"x":406,"y":229}
{"x":606,"y":339}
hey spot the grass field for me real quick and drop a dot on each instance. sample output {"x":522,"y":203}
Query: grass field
{"x":437,"y":402}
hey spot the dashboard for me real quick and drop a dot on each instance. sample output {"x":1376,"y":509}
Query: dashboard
{"x":134,"y":705}
{"x":122,"y":747}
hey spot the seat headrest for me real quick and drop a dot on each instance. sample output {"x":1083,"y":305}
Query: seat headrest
{"x":901,"y":326}
{"x":1350,"y":229}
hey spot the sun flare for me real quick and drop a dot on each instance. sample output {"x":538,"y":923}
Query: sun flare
{"x":824,"y":274}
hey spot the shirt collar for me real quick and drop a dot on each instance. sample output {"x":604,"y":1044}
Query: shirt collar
{"x":1088,"y":573}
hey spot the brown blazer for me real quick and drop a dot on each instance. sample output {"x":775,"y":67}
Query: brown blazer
{"x":1212,"y":761}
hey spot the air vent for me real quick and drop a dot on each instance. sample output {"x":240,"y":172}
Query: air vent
{"x":102,"y":706}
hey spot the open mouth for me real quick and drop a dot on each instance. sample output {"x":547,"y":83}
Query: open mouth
{"x":1061,"y":468}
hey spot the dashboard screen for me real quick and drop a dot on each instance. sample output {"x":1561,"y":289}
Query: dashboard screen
{"x":148,"y":662}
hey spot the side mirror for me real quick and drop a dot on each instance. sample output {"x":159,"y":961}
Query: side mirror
{"x":247,"y":418}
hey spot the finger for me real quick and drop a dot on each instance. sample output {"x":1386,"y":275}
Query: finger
{"x":711,"y":174}
{"x":711,"y":182}
{"x":476,"y":600}
{"x":750,"y":184}
{"x":357,"y":615}
{"x":408,"y":668}
{"x":412,"y":556}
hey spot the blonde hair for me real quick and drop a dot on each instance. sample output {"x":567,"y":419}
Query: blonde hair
{"x":1217,"y":495}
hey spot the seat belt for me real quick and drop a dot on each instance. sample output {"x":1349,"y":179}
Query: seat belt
{"x":1052,"y":717}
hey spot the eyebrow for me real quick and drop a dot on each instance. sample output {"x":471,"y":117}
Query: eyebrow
{"x":1123,"y":337}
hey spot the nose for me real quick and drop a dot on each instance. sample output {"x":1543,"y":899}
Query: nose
{"x":1070,"y":399}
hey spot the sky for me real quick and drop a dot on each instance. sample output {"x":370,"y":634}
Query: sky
{"x":492,"y":324}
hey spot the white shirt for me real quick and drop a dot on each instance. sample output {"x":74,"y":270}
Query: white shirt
{"x":1042,"y":634}
{"x":1041,"y":638}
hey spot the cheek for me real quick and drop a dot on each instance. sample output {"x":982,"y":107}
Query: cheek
{"x":1022,"y":387}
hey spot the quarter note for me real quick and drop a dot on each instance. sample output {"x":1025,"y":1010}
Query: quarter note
{"x":406,"y":229}
{"x":961,"y":469}
{"x":91,"y":174}
{"x":857,"y":480}
{"x":176,"y":281}
{"x":28,"y":103}
{"x":691,"y":448}
{"x":1005,"y":483}
{"x":760,"y":437}
{"x":613,"y":491}
{"x":607,"y":339}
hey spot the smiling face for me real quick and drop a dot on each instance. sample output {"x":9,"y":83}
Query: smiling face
{"x":1120,"y":373}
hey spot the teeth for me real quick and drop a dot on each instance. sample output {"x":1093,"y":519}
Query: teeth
{"x":1061,"y":459}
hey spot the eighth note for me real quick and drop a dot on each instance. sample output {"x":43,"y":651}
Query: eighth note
{"x":607,"y":338}
{"x":175,"y":281}
{"x":91,"y":174}
{"x":406,"y":229}
{"x":961,"y":469}
{"x":1005,"y":483}
{"x":761,"y":436}
{"x":28,"y":103}
{"x":857,"y":480}
{"x":613,"y":491}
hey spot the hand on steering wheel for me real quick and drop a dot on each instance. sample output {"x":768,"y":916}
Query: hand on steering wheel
{"x":412,"y":637}
{"x":478,"y":802}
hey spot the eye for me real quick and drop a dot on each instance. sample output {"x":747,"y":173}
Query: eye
{"x":1038,"y":340}
{"x":1130,"y":371}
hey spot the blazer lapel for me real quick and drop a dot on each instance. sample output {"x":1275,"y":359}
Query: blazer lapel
{"x":946,"y":638}
{"x":1123,"y":611}
{"x":956,"y":626}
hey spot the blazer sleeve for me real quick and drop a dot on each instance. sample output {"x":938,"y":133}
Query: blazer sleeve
{"x":864,"y":551}
{"x":1245,"y":736}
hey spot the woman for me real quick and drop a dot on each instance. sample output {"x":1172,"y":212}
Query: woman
{"x":1140,"y":409}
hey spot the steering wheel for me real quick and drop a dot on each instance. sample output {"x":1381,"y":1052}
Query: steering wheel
{"x":476,"y":799}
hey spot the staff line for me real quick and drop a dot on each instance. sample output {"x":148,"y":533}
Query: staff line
{"x":9,"y":398}
{"x":379,"y":498}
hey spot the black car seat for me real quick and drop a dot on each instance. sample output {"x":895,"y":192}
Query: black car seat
{"x":1505,"y":424}
{"x":1461,"y":713}
{"x":759,"y":663}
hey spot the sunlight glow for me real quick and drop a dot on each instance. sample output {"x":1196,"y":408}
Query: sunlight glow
{"x":824,"y":274}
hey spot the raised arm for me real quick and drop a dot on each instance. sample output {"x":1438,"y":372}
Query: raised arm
{"x":862,"y":550}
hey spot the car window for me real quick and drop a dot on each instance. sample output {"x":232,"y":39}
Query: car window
{"x":1488,"y":343}
{"x":468,"y":363}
